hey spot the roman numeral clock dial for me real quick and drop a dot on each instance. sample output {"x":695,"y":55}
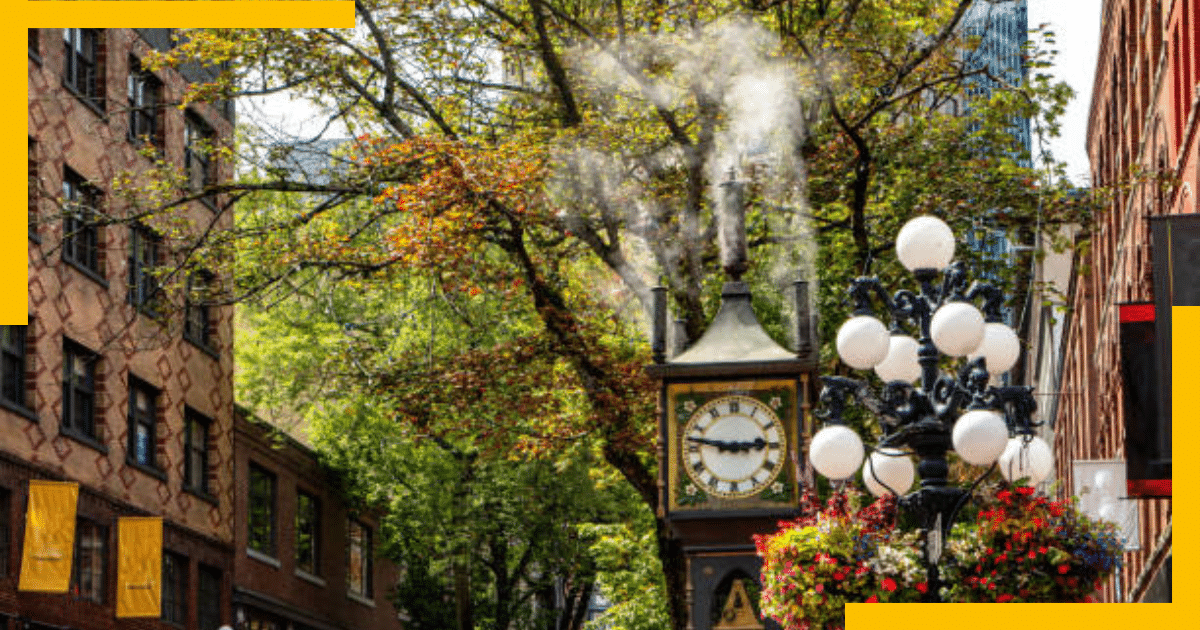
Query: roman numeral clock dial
{"x":733,"y":446}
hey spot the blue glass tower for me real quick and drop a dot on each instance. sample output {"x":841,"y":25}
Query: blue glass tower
{"x":1003,"y":29}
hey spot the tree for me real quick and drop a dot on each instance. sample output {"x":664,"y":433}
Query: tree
{"x":530,"y":150}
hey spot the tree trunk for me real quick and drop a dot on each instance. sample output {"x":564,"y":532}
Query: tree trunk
{"x":674,"y":563}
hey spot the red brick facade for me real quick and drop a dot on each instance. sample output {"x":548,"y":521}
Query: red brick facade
{"x":1143,"y":117}
{"x":271,"y":591}
{"x":81,"y":136}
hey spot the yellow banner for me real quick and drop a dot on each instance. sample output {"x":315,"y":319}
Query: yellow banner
{"x":139,"y":566}
{"x":49,"y":536}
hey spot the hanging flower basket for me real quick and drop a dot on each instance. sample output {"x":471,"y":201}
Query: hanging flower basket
{"x":815,"y":565}
{"x":1021,"y":548}
{"x":1027,"y":548}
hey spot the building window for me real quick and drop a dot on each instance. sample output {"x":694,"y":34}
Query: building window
{"x":81,"y":231}
{"x":5,"y":530}
{"x":34,"y":190}
{"x":91,"y":557}
{"x":208,"y":599}
{"x":142,"y":408}
{"x":82,"y":70}
{"x":197,"y":156}
{"x":308,"y":533}
{"x":195,"y":472}
{"x":174,"y":588}
{"x":144,"y":92}
{"x":358,"y":559}
{"x":197,"y":324}
{"x":79,"y":391}
{"x":144,"y":250}
{"x":12,"y":368}
{"x":261,"y":521}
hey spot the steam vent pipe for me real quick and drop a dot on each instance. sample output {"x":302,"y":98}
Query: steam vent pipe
{"x":731,"y":228}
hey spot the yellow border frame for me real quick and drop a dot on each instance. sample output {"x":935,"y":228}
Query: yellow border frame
{"x":14,"y":246}
{"x":13,"y":287}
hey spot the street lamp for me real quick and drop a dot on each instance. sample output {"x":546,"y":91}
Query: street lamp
{"x":985,"y":425}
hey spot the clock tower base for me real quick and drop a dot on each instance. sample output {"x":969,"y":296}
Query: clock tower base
{"x":723,"y":590}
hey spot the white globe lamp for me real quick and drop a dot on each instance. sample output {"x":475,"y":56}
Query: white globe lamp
{"x":836,"y":452}
{"x":925,"y":242}
{"x":1030,"y":460}
{"x":886,"y":471}
{"x":862,"y":342}
{"x":980,"y":436}
{"x":1000,"y":348}
{"x":901,"y":361}
{"x":956,"y":328}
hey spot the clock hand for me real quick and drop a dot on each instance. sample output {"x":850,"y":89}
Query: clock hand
{"x":721,"y":445}
{"x":757,"y":444}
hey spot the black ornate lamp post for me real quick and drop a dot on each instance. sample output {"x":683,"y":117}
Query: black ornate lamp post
{"x":985,"y":425}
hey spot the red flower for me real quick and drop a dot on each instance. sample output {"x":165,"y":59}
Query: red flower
{"x":1004,"y":598}
{"x":1025,"y":491}
{"x":889,"y":584}
{"x":1063,"y":568}
{"x":1004,"y":495}
{"x":873,"y":599}
{"x":1034,"y":555}
{"x":1041,"y":550}
{"x":839,"y":575}
{"x":820,"y":588}
{"x":922,"y":588}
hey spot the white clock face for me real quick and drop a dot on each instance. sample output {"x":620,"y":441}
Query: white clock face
{"x":733,"y":446}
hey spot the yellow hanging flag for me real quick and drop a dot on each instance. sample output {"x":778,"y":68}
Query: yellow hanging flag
{"x":139,"y":566}
{"x":49,"y":536}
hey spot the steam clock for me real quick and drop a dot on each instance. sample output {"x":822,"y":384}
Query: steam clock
{"x":731,"y":408}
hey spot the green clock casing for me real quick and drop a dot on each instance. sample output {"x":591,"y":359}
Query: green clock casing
{"x":731,"y":445}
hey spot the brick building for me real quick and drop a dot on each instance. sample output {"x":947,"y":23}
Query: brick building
{"x":1114,"y":401}
{"x":120,"y":381}
{"x":305,"y":560}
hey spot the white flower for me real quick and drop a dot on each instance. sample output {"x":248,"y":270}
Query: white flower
{"x":689,"y":489}
{"x":689,"y":406}
{"x":775,"y":402}
{"x":777,"y":487}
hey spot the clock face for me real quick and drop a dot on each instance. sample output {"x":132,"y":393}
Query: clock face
{"x":733,"y":446}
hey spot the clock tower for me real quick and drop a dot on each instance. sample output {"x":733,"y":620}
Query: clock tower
{"x":731,"y":412}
